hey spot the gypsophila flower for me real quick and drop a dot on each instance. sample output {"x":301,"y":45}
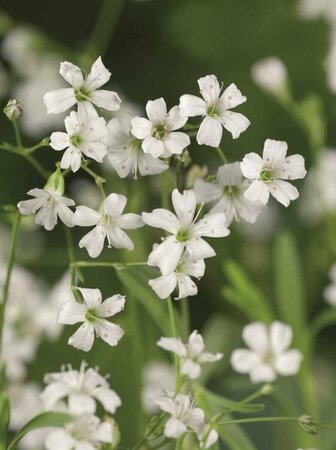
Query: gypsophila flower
{"x":192,"y":354}
{"x":184,"y":415}
{"x":158,"y":132}
{"x":181,"y":278}
{"x":109,"y":224}
{"x":270,"y":74}
{"x":83,"y":137}
{"x":207,"y":437}
{"x":82,"y":388}
{"x":126,"y":154}
{"x":186,"y":233}
{"x":83,"y":91}
{"x":93,"y":312}
{"x":268,"y":355}
{"x":216,"y":110}
{"x":13,"y":109}
{"x":329,"y":292}
{"x":228,"y":193}
{"x":49,"y":203}
{"x":87,"y":432}
{"x":268,"y":174}
{"x":157,"y":378}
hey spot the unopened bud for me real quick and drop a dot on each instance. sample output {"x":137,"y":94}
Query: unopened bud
{"x":55,"y":182}
{"x":308,"y":424}
{"x":13,"y":109}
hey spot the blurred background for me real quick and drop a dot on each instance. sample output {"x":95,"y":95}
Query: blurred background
{"x":277,"y":268}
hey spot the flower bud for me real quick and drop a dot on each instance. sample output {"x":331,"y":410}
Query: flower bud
{"x":55,"y":182}
{"x":13,"y":109}
{"x":308,"y":424}
{"x":271,"y":75}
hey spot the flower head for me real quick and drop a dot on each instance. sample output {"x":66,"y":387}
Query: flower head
{"x":93,"y":312}
{"x":158,"y":132}
{"x":186,"y":233}
{"x":216,"y":110}
{"x":81,"y":388}
{"x":192,"y":354}
{"x":228,"y":193}
{"x":268,"y":174}
{"x":126,"y":154}
{"x":268,"y":355}
{"x":108,"y":223}
{"x":270,"y":74}
{"x":83,"y":91}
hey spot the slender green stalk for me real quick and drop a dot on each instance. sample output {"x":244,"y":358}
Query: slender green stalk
{"x":74,"y":270}
{"x":258,"y":420}
{"x":30,"y":158}
{"x":10,"y":264}
{"x":221,"y":154}
{"x":185,"y":316}
{"x":174,"y":333}
{"x":97,"y":179}
{"x":114,"y":265}
{"x":17,"y":134}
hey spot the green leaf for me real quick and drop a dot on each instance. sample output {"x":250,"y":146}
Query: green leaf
{"x":229,"y":405}
{"x":44,"y":420}
{"x":135,"y":281}
{"x":245,"y":295}
{"x":289,"y":286}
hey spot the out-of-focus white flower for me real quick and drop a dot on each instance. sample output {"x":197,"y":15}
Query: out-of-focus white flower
{"x":82,"y":388}
{"x":158,"y":132}
{"x":270,"y":172}
{"x":49,"y":204}
{"x":270,"y":74}
{"x":84,"y":133}
{"x":192,"y":354}
{"x":184,"y":416}
{"x":216,"y":110}
{"x":126,"y":154}
{"x":109,"y":224}
{"x":87,"y":432}
{"x":186,"y":233}
{"x":228,"y":193}
{"x":329,"y":292}
{"x":85,"y":91}
{"x":268,"y":355}
{"x":181,"y":277}
{"x":310,"y":9}
{"x":157,"y":377}
{"x":93,"y":313}
{"x":207,"y":437}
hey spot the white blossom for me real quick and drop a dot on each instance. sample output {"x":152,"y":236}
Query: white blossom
{"x":268,"y":355}
{"x":82,"y":388}
{"x":207,"y":437}
{"x":310,"y":9}
{"x":270,"y":74}
{"x":84,"y":91}
{"x":125,"y":152}
{"x":93,"y":312}
{"x":48,"y":204}
{"x":192,"y":354}
{"x":186,"y":233}
{"x":184,"y":416}
{"x":216,"y":110}
{"x":268,"y":174}
{"x":157,"y":378}
{"x":108,"y":223}
{"x":158,"y":132}
{"x":87,"y":432}
{"x":329,"y":292}
{"x":228,"y":192}
{"x":181,"y":278}
{"x":83,"y":137}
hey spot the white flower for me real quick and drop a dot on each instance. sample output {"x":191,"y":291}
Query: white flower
{"x":184,"y":415}
{"x":207,"y":437}
{"x":181,"y":277}
{"x":93,"y":313}
{"x":87,"y":432}
{"x":329,"y":292}
{"x":268,"y":355}
{"x":228,"y":192}
{"x":158,"y":132}
{"x":85,"y":91}
{"x":270,"y":74}
{"x":269,"y":172}
{"x":216,"y":110}
{"x":186,"y":233}
{"x":126,"y":155}
{"x":157,"y":377}
{"x":82,"y":388}
{"x":310,"y":9}
{"x":109,"y":224}
{"x":84,"y":133}
{"x":192,"y":354}
{"x":49,"y":204}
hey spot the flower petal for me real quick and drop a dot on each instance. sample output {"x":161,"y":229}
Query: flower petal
{"x":274,"y":153}
{"x":59,"y":140}
{"x":234,"y":122}
{"x":153,"y":146}
{"x":130,"y":221}
{"x":163,"y":286}
{"x":72,"y":74}
{"x":71,"y":312}
{"x":255,"y":336}
{"x":263,"y":373}
{"x":283,"y":191}
{"x":198,"y":249}
{"x":174,"y":119}
{"x":161,"y":218}
{"x":190,"y":369}
{"x":114,"y":205}
{"x":86,"y":217}
{"x":111,"y":306}
{"x":281,"y":336}
{"x":243,"y":361}
{"x":212,"y":225}
{"x":83,"y":338}
{"x":251,"y":166}
{"x":59,"y":439}
{"x":108,"y":398}
{"x":186,"y":286}
{"x":166,"y":255}
{"x":109,"y":332}
{"x":174,"y":345}
{"x":209,"y":89}
{"x":185,"y":206}
{"x":174,"y":428}
{"x":257,"y":192}
{"x":191,"y":106}
{"x":210,"y":132}
{"x":98,"y":76}
{"x":141,"y":127}
{"x":292,"y":168}
{"x":231,"y":98}
{"x":288,"y":363}
{"x":156,"y":111}
{"x":94,"y":241}
{"x":92,"y":297}
{"x":59,"y":100}
{"x":176,"y":142}
{"x":108,"y":100}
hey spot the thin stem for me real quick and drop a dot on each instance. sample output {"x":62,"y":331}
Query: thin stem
{"x":10,"y":264}
{"x":185,"y":315}
{"x":174,"y":333}
{"x":97,"y":179}
{"x":259,"y":420}
{"x":74,"y":271}
{"x":40,"y":169}
{"x":17,"y":134}
{"x":115,"y":265}
{"x":221,"y":154}
{"x":44,"y":143}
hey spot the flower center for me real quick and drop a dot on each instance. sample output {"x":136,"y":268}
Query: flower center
{"x":76,"y":140}
{"x":82,"y":95}
{"x":90,"y":315}
{"x":160,"y":131}
{"x":211,"y":111}
{"x":231,"y":190}
{"x":265,"y":175}
{"x":182,"y":236}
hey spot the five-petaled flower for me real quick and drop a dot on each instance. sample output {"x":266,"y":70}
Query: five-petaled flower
{"x":93,"y":312}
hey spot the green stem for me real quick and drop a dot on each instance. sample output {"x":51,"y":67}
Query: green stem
{"x":30,"y":158}
{"x":174,"y":333}
{"x":74,"y":270}
{"x":10,"y":264}
{"x":17,"y":134}
{"x":221,"y":154}
{"x":97,"y":179}
{"x":115,"y":265}
{"x":258,"y":420}
{"x":185,"y":316}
